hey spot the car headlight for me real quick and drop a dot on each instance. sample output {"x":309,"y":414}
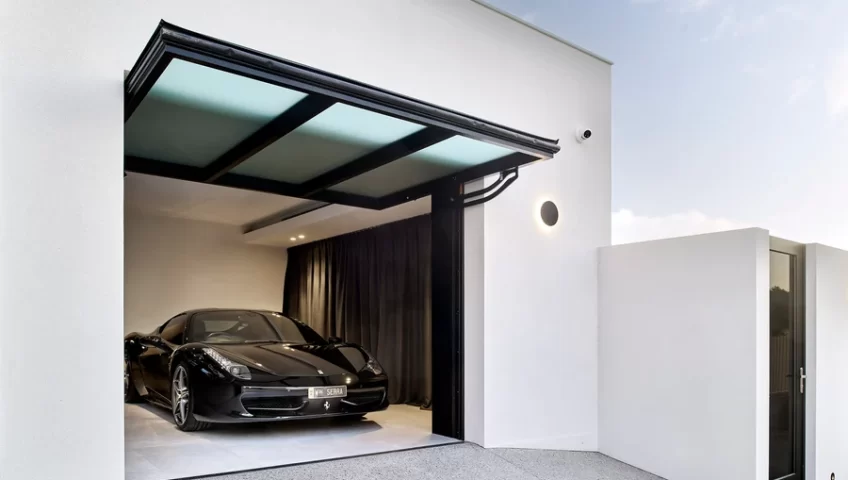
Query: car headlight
{"x":235,"y":369}
{"x":373,"y":366}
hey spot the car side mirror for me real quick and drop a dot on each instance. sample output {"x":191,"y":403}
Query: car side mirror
{"x":335,"y":340}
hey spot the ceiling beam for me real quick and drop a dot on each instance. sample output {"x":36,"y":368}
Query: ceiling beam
{"x":293,"y":190}
{"x":160,"y":169}
{"x":192,"y":174}
{"x":285,"y":123}
{"x":283,"y":215}
{"x":394,"y":151}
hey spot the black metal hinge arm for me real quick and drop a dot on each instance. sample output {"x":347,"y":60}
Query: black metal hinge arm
{"x":479,"y":197}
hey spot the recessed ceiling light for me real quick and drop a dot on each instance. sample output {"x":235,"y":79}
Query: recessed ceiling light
{"x":301,"y":236}
{"x":293,"y":239}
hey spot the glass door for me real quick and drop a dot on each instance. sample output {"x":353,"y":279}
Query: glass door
{"x":786,"y":392}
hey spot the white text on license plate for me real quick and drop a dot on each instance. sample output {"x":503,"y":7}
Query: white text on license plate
{"x":327,"y":392}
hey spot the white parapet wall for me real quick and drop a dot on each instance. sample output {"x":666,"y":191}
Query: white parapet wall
{"x":827,"y":363}
{"x":683,"y":355}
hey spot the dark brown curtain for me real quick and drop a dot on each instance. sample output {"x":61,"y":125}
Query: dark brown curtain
{"x":372,"y":288}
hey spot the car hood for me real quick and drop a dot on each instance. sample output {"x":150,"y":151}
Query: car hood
{"x":297,"y":359}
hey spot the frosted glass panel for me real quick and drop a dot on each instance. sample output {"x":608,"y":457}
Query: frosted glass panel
{"x":335,"y":137}
{"x":439,"y":160}
{"x":193,"y":114}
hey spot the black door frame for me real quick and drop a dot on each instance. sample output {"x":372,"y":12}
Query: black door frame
{"x":797,"y":252}
{"x":447,"y":311}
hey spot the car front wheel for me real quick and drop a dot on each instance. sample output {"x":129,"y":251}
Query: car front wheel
{"x":130,"y":393}
{"x":182,"y":401}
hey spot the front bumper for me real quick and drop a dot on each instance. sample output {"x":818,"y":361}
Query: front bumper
{"x":234,"y":403}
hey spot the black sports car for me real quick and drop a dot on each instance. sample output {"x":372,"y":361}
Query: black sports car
{"x":224,"y":366}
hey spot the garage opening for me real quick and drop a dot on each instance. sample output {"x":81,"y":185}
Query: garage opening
{"x":303,"y":220}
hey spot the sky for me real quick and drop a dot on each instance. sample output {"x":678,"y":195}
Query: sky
{"x":726,"y":114}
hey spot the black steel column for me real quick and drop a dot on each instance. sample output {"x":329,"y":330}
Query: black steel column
{"x":447,"y":310}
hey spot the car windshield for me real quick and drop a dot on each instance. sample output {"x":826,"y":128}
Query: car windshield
{"x":294,"y":331}
{"x":231,"y":326}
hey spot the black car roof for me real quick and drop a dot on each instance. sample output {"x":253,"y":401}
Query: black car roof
{"x":202,"y":310}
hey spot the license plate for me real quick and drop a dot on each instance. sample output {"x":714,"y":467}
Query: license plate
{"x":327,"y":392}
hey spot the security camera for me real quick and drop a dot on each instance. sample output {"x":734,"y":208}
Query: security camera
{"x":583,"y":134}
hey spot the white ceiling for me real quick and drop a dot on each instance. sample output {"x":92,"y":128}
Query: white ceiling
{"x":212,"y":203}
{"x":199,"y":201}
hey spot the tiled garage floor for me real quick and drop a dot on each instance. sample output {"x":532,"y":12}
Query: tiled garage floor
{"x":156,"y":450}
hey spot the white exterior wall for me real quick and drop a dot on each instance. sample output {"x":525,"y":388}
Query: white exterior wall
{"x":539,"y":299}
{"x":61,"y":242}
{"x":827,"y":362}
{"x":172,"y":265}
{"x":684,"y":355}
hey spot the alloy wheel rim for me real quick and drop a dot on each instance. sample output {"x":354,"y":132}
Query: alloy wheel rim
{"x":180,"y":395}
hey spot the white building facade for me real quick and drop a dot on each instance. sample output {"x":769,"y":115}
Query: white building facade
{"x":61,"y":202}
{"x":543,"y":305}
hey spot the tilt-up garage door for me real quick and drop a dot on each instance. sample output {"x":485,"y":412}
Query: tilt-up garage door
{"x":204,"y":110}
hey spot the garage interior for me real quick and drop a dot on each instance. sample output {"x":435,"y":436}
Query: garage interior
{"x":254,"y":182}
{"x":185,"y":247}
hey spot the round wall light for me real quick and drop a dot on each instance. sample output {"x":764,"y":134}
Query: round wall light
{"x":550,"y":213}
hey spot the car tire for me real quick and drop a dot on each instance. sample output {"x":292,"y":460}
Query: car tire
{"x":131,"y":394}
{"x":182,"y":401}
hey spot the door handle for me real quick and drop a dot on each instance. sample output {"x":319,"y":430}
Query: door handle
{"x":803,"y":378}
